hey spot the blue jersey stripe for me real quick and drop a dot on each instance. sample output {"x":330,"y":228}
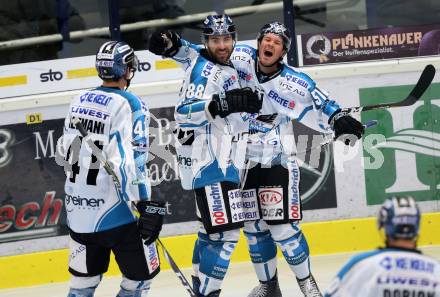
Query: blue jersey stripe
{"x":356,"y":259}
{"x":303,"y":113}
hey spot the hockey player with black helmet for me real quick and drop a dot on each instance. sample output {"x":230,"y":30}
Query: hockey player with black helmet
{"x":99,"y":210}
{"x":398,"y":269}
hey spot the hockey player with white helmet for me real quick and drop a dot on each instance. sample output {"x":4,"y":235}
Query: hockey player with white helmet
{"x":398,"y":269}
{"x":288,"y":95}
{"x":98,"y":205}
{"x":211,"y":100}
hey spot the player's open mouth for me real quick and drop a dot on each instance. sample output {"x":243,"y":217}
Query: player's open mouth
{"x":268,"y":54}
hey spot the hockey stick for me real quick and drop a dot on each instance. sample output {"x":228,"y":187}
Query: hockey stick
{"x":97,"y":152}
{"x":100,"y":156}
{"x":421,"y":86}
{"x":176,"y":270}
{"x":327,"y":141}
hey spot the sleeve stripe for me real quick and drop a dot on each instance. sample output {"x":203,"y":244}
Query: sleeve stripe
{"x":189,"y":108}
{"x":303,"y":113}
{"x":189,"y":125}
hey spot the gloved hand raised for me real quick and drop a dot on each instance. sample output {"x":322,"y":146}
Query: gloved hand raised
{"x":164,"y":43}
{"x":343,"y":124}
{"x":151,"y":219}
{"x":236,"y":100}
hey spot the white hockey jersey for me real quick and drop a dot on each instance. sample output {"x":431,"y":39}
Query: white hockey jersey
{"x":288,"y":95}
{"x":207,"y":150}
{"x":387,"y":272}
{"x":117,"y":122}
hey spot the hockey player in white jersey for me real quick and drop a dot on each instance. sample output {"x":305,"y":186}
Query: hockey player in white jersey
{"x":398,"y":269}
{"x":211,"y":115}
{"x":289,"y":95}
{"x":99,"y":211}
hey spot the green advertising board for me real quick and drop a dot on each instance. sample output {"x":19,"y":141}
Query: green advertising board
{"x":410,"y":144}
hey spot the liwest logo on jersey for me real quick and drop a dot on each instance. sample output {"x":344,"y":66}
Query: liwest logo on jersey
{"x":90,"y":112}
{"x":411,"y":151}
{"x":217,"y":209}
{"x":271,"y":201}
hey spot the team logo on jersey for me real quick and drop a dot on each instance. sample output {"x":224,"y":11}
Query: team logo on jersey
{"x":206,"y":72}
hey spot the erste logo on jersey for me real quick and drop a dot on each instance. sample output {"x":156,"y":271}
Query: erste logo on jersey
{"x":281,"y":101}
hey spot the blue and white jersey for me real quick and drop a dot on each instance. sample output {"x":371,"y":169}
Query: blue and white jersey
{"x":117,"y":122}
{"x":386,"y":273}
{"x":205,"y":150}
{"x":288,"y":95}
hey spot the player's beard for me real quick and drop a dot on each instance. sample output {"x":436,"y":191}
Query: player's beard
{"x":222,"y":55}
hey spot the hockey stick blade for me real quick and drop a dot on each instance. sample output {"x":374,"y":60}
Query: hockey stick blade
{"x":421,"y":86}
{"x":176,"y":270}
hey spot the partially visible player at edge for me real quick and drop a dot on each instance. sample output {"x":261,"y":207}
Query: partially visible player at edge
{"x":398,"y":269}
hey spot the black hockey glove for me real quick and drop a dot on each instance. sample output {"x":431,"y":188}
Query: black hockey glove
{"x":237,"y":100}
{"x":164,"y":43}
{"x":150,"y":220}
{"x":343,"y":124}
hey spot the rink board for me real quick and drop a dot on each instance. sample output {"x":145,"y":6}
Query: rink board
{"x":323,"y":238}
